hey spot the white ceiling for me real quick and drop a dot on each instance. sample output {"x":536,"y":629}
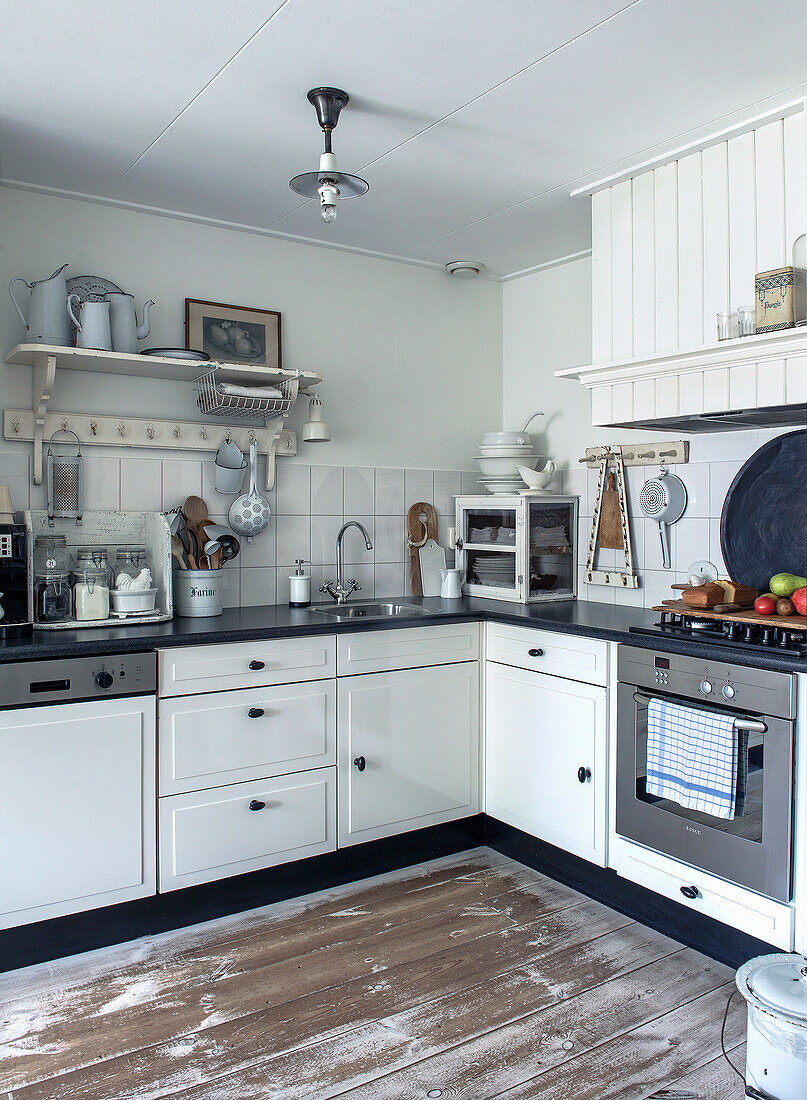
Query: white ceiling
{"x":472,"y":120}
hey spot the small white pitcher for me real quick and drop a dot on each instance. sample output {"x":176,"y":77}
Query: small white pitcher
{"x":452,"y":584}
{"x":92,"y":324}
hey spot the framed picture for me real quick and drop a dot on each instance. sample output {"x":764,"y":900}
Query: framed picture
{"x":233,"y":334}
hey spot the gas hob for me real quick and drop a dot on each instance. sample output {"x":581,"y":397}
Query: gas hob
{"x":731,"y":633}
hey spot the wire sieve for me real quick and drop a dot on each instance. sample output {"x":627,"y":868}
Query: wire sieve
{"x":65,"y":482}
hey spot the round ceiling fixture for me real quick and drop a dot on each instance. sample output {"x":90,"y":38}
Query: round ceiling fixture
{"x":465,"y":269}
{"x":328,"y":184}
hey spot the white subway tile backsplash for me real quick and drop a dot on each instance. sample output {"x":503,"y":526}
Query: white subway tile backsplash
{"x":715,"y":549}
{"x":391,"y":580}
{"x":140,"y":484}
{"x":293,"y":539}
{"x":258,"y":586}
{"x":692,"y":542}
{"x":181,"y":478}
{"x":324,"y":530}
{"x":389,"y":492}
{"x":293,"y":485}
{"x":390,"y":539}
{"x":359,"y":491}
{"x":470,"y":482}
{"x":363,"y":575}
{"x":327,"y":490}
{"x":576,"y":483}
{"x":419,"y":487}
{"x":447,"y":486}
{"x":262,"y":551}
{"x":695,"y":476}
{"x":354,"y":547}
{"x":231,"y":586}
{"x":721,"y":475}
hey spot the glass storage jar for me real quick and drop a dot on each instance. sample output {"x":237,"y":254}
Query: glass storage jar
{"x":130,"y":560}
{"x":91,"y":593}
{"x":800,"y":280}
{"x":95,"y":557}
{"x":53,"y":601}
{"x":51,"y":554}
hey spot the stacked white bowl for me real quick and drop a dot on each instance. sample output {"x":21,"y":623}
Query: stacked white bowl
{"x":500,"y":455}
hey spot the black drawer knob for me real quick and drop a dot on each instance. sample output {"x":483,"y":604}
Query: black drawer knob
{"x":256,"y":666}
{"x":583,"y":774}
{"x":360,"y":763}
{"x":690,"y":892}
{"x":535,"y":652}
{"x":256,"y":712}
{"x":256,"y":804}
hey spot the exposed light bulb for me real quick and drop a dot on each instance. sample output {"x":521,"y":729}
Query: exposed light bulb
{"x":328,"y":194}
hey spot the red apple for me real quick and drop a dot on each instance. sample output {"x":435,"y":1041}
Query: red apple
{"x":799,"y":600}
{"x":765,"y":605}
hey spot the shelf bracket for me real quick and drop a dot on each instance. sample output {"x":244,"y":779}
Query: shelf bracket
{"x":44,"y":375}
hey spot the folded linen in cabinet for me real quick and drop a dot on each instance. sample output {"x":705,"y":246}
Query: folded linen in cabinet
{"x":232,"y":389}
{"x":694,"y":758}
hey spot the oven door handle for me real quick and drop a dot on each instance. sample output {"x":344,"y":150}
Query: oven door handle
{"x":748,"y":725}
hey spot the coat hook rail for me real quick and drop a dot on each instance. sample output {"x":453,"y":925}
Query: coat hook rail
{"x":639,"y":454}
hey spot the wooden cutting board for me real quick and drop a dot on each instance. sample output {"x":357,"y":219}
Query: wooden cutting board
{"x":610,"y":520}
{"x":415,"y":534}
{"x":787,"y":622}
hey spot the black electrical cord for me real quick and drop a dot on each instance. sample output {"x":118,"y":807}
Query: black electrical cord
{"x":723,"y":1036}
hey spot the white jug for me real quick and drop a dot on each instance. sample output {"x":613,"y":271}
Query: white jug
{"x":47,"y":321}
{"x":452,"y":584}
{"x":123,"y":322}
{"x":92,"y":323}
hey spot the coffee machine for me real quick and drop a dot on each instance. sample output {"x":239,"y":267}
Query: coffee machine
{"x":15,"y":601}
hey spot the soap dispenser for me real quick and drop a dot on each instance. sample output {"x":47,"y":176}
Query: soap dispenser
{"x":300,"y":585}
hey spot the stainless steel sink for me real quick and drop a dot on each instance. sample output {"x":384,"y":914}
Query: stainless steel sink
{"x":385,"y":609}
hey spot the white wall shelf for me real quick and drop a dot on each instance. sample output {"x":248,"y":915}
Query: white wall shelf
{"x":40,"y":422}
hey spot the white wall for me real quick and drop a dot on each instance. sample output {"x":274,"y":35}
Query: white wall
{"x":546,"y":327}
{"x":411,"y":357}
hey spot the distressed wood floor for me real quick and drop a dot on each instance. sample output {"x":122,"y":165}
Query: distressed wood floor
{"x":470,"y":977}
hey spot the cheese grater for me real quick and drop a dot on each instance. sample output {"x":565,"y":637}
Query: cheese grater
{"x":64,"y":483}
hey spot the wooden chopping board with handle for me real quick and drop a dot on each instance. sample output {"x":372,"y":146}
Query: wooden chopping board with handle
{"x":416,"y":537}
{"x":610,"y":520}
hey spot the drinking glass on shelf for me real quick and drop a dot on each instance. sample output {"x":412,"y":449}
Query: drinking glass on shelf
{"x":728,"y":325}
{"x":747,"y":321}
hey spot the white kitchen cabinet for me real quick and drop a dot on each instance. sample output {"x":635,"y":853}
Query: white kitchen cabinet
{"x":77,"y":807}
{"x":545,"y":758}
{"x":408,"y":750}
{"x":207,"y":835}
{"x":409,"y":647}
{"x":232,"y":665}
{"x":548,"y":651}
{"x":234,"y":736}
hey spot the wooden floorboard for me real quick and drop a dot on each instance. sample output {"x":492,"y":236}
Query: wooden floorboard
{"x":472,"y":976}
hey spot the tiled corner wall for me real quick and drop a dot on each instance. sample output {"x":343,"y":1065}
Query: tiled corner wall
{"x":309,"y":505}
{"x":695,"y":536}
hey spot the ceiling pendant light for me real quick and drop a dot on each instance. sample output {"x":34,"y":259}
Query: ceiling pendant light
{"x":328,"y":184}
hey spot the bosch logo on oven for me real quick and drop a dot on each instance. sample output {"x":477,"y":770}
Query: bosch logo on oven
{"x":692,"y":829}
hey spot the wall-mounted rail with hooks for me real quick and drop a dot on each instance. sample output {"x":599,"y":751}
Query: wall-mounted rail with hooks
{"x":639,"y":454}
{"x":37,"y":423}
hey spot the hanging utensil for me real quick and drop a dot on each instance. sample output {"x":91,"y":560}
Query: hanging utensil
{"x":250,"y":513}
{"x":65,"y":482}
{"x":663,"y":499}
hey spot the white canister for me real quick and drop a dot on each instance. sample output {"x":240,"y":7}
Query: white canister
{"x":197,"y":592}
{"x":775,"y":987}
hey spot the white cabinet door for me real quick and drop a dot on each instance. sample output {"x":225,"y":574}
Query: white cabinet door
{"x":206,"y":835}
{"x":540,"y":731}
{"x":409,"y":647}
{"x":77,"y":807}
{"x":415,"y":735}
{"x":235,"y":736}
{"x":190,"y":670}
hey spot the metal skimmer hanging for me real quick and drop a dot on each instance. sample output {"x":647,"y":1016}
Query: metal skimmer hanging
{"x":65,"y":482}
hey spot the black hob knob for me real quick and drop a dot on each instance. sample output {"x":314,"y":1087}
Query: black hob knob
{"x":768,"y":634}
{"x":785,"y":638}
{"x":750,"y":633}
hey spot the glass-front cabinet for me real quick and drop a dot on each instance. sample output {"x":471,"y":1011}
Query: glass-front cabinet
{"x":518,"y":548}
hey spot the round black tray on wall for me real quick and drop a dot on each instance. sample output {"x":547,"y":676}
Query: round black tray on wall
{"x":763,"y":526}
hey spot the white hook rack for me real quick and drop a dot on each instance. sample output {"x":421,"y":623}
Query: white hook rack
{"x":166,"y":435}
{"x":638,"y":454}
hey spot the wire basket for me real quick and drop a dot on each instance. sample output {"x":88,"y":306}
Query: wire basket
{"x":213,"y":402}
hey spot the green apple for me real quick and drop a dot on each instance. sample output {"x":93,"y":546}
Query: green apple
{"x":785,"y":584}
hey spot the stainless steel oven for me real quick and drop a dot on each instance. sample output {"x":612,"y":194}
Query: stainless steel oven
{"x":752,"y":848}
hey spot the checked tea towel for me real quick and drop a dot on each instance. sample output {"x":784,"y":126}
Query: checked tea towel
{"x":694,"y":758}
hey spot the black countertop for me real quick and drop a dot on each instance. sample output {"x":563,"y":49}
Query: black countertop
{"x":242,"y":624}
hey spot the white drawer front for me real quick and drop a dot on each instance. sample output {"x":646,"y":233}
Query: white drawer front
{"x":234,"y":736}
{"x":568,"y":655}
{"x":416,"y":647}
{"x":188,"y":671}
{"x":208,"y":835}
{"x":725,"y":901}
